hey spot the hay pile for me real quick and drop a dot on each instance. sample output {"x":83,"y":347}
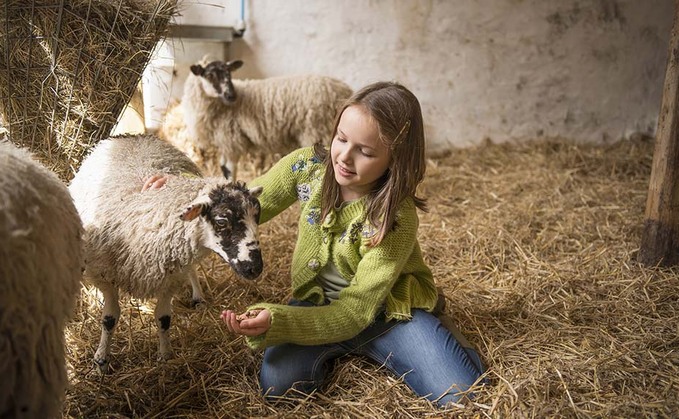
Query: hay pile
{"x":535,"y":246}
{"x":68,"y":68}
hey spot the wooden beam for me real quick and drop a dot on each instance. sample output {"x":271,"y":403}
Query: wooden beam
{"x":660,"y":238}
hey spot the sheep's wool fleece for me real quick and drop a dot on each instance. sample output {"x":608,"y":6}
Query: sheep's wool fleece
{"x":174,"y":132}
{"x":40,"y":271}
{"x":135,"y":240}
{"x":273,"y":115}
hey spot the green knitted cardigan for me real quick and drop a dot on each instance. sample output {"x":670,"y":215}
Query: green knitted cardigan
{"x":391,"y":276}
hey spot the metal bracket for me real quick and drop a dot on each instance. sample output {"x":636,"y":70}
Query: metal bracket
{"x":224,"y":34}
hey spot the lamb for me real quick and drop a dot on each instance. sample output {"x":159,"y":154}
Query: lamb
{"x":274,"y":115}
{"x":147,"y":243}
{"x":40,"y":273}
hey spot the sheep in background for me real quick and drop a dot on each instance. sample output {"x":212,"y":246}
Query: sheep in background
{"x":40,"y":273}
{"x":146,"y":243}
{"x":173,"y":130}
{"x":274,"y":115}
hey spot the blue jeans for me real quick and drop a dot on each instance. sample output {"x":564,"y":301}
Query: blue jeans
{"x":422,"y":351}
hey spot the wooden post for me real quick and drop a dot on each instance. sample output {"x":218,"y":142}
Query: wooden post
{"x":660,"y":238}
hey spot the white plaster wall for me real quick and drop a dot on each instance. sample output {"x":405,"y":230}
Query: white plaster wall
{"x":586,"y":70}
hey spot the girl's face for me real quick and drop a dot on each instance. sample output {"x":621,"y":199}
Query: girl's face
{"x":359,"y":158}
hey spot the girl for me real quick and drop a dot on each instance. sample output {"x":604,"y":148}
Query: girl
{"x":360,"y":284}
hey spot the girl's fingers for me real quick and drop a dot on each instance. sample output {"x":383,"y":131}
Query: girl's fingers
{"x":257,"y":325}
{"x":148,"y":182}
{"x":243,"y":324}
{"x":154,"y":182}
{"x":229,"y":319}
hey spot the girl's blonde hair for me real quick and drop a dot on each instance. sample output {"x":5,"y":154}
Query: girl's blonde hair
{"x":397,"y":113}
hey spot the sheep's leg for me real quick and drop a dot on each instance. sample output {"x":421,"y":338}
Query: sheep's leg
{"x":260,"y":162}
{"x":197,"y":296}
{"x":109,"y":321}
{"x":163,"y":315}
{"x":229,"y":166}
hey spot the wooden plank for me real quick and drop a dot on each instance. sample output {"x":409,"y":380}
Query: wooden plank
{"x":660,"y":237}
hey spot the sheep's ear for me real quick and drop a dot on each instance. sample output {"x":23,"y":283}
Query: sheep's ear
{"x":197,"y":69}
{"x":256,"y":191}
{"x":195,"y":209}
{"x":234,"y":65}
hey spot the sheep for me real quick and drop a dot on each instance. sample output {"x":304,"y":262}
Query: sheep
{"x":40,"y":275}
{"x":173,"y":130}
{"x":146,"y":243}
{"x":273,"y":115}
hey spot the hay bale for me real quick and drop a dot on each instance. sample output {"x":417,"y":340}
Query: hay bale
{"x":68,"y":68}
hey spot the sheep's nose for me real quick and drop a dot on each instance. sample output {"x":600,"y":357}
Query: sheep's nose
{"x":252,"y":271}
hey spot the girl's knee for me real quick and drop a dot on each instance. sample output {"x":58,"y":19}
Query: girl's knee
{"x":289,"y":370}
{"x":276,"y":382}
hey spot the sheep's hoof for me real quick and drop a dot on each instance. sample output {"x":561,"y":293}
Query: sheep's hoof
{"x":102,"y":365}
{"x":197,"y":303}
{"x":162,"y":357}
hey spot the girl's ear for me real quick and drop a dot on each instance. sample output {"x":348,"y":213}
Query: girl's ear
{"x":196,"y":208}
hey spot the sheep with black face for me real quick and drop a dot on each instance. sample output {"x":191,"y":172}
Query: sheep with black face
{"x":146,"y":243}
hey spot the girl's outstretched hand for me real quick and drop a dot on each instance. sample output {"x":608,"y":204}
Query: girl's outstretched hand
{"x":250,"y":323}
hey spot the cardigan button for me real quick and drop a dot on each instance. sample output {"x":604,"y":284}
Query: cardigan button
{"x":314,"y":264}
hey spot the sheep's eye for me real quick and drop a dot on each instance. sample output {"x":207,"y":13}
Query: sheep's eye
{"x":221,"y":222}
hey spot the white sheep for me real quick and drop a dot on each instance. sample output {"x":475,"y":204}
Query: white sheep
{"x":40,"y":272}
{"x":146,"y":243}
{"x":273,"y":115}
{"x":174,"y":131}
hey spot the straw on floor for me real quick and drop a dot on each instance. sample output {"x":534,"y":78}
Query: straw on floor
{"x":535,"y":246}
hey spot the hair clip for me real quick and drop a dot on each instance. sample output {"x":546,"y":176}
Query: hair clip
{"x":401,"y":134}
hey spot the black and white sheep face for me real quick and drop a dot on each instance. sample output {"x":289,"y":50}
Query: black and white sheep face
{"x":231,"y":214}
{"x":215,"y":78}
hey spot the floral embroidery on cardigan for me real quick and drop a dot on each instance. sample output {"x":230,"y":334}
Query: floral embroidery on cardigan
{"x":368,"y":230}
{"x":299,"y":165}
{"x":314,"y":216}
{"x":303,"y":192}
{"x":353,"y":233}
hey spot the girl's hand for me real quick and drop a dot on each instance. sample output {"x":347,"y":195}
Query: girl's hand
{"x":250,"y":323}
{"x":154,"y":182}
